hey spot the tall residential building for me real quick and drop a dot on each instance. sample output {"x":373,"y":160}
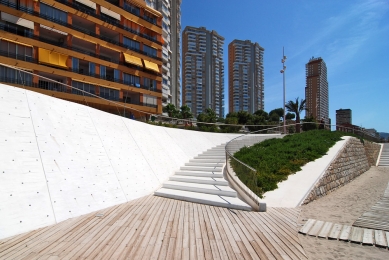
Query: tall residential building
{"x":316,"y":89}
{"x":343,"y":116}
{"x":245,"y":76}
{"x":171,"y":49}
{"x":203,"y":70}
{"x":111,"y":49}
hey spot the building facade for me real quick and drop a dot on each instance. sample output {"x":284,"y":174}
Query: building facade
{"x":245,"y":76}
{"x":203,"y":70}
{"x":171,"y":49}
{"x":77,"y":50}
{"x":316,"y":89}
{"x":344,"y":116}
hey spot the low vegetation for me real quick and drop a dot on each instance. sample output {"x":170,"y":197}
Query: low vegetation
{"x":275,"y":159}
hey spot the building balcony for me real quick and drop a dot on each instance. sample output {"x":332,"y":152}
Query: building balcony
{"x":83,"y":71}
{"x":81,"y":28}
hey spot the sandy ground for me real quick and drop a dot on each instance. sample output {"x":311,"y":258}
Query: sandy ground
{"x":344,"y":206}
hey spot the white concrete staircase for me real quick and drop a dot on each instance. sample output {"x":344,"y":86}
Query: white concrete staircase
{"x":201,"y":180}
{"x":384,"y":158}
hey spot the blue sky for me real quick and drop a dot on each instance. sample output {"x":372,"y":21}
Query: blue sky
{"x":352,"y":36}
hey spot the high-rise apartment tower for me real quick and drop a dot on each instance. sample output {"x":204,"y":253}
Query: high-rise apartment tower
{"x":203,"y":70}
{"x":245,"y":76}
{"x":316,"y":89}
{"x":171,"y":31}
{"x":109,"y":49}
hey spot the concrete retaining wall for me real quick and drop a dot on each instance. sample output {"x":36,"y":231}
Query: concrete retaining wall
{"x":59,"y":160}
{"x":350,"y":162}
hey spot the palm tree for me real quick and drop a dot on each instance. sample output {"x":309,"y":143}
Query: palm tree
{"x":185,"y":112}
{"x":296,"y":107}
{"x":171,"y":110}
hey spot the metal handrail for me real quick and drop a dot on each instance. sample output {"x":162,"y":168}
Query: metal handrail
{"x":62,"y":87}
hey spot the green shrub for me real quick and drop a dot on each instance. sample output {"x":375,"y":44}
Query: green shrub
{"x":275,"y":159}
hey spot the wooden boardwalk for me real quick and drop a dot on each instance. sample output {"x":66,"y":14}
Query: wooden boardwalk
{"x":329,"y":230}
{"x":378,"y":216}
{"x":159,"y":228}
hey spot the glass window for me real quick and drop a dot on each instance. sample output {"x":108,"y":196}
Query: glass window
{"x":77,"y":86}
{"x":131,"y":8}
{"x":131,"y":44}
{"x":92,"y":68}
{"x":13,"y":76}
{"x":103,"y":72}
{"x":150,"y":51}
{"x":150,"y":84}
{"x":110,"y":94}
{"x":131,"y":80}
{"x":53,"y":13}
{"x":75,"y":64}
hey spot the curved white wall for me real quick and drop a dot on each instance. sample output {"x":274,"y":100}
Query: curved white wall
{"x":59,"y":159}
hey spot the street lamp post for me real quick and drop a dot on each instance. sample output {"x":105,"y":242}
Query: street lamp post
{"x":283,"y":75}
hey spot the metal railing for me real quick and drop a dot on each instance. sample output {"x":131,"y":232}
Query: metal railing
{"x":53,"y":85}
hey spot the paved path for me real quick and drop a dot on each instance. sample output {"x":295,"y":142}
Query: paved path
{"x":159,"y":228}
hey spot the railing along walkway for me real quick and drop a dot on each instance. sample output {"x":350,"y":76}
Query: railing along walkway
{"x":159,"y":228}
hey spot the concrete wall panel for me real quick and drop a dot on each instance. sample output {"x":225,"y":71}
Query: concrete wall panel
{"x":60,"y":160}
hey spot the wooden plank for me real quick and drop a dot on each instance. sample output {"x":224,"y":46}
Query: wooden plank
{"x":280,"y":244}
{"x":192,"y":237}
{"x":387,"y":238}
{"x":380,"y":240}
{"x":356,"y":235}
{"x":159,"y":235}
{"x":335,"y":231}
{"x":204,"y":235}
{"x":147,"y":231}
{"x":368,"y":237}
{"x":325,"y":230}
{"x":220,"y":246}
{"x":263,"y":238}
{"x":137,"y":210}
{"x":166,"y":236}
{"x":258,"y":245}
{"x":211,"y":233}
{"x":244,"y":235}
{"x":199,"y":241}
{"x":316,"y":228}
{"x":287,"y":235}
{"x":307,"y":226}
{"x":223,"y":235}
{"x":345,"y":233}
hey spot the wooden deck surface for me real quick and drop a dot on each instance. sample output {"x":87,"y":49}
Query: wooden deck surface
{"x":378,"y":216}
{"x":159,"y":228}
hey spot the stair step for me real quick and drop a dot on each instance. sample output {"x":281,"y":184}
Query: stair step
{"x":208,"y":199}
{"x":205,"y":164}
{"x":210,"y":156}
{"x":200,"y":174}
{"x":209,"y":160}
{"x":201,"y":188}
{"x":202,"y":168}
{"x":201,"y":180}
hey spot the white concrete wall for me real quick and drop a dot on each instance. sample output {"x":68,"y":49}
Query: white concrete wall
{"x":60,"y":160}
